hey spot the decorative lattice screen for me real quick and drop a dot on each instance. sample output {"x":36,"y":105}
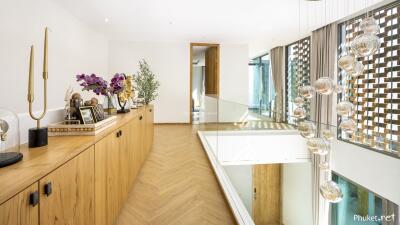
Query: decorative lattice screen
{"x":375,"y":94}
{"x":297,"y":73}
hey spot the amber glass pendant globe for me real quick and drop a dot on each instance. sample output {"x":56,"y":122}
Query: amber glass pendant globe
{"x":307,"y":91}
{"x":328,"y":135}
{"x":348,"y":126}
{"x":365,"y":45}
{"x":345,"y":108}
{"x":299,"y":101}
{"x":331,"y":192}
{"x":324,"y":86}
{"x":299,"y":113}
{"x":307,"y":129}
{"x":369,"y":26}
{"x":312,"y":144}
{"x":317,"y":146}
{"x":347,"y":62}
{"x":357,"y":70}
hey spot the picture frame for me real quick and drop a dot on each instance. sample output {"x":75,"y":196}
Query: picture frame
{"x":99,"y":114}
{"x":87,"y":115}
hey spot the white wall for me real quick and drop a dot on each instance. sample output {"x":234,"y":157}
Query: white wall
{"x":242,"y":179}
{"x":73,"y":49}
{"x":234,"y":74}
{"x":375,"y":171}
{"x":312,"y":17}
{"x":296,"y":194}
{"x":170,"y":62}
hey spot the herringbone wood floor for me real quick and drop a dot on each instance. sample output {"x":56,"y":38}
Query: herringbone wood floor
{"x":176,"y":185}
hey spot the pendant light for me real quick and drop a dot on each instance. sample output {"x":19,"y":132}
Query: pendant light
{"x":367,"y":43}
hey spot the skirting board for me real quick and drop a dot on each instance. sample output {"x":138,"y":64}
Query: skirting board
{"x":240,"y":212}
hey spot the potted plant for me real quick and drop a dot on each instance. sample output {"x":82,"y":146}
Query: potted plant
{"x":100,"y":87}
{"x":146,"y":83}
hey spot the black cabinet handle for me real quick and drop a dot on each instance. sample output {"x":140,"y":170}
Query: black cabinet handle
{"x":34,"y":198}
{"x":150,"y":110}
{"x":119,"y":133}
{"x":141,"y":117}
{"x":48,"y":189}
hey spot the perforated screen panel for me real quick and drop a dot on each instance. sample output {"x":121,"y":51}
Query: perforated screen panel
{"x":375,"y":94}
{"x":297,"y":73}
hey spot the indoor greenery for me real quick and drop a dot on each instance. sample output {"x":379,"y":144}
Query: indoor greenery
{"x":146,"y":83}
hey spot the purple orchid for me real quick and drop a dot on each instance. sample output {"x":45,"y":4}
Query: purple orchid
{"x":117,"y":83}
{"x":93,"y":82}
{"x":99,"y":86}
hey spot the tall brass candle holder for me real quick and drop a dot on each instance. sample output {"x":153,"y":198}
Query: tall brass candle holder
{"x":38,"y":136}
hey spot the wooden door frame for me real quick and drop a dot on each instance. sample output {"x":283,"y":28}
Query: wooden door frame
{"x":194,"y":44}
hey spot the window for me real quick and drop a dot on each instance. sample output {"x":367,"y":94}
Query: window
{"x":359,"y":204}
{"x":297,"y":74}
{"x":376,"y":93}
{"x":261,"y":86}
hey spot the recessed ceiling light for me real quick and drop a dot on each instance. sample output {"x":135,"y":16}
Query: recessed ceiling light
{"x":106,"y":20}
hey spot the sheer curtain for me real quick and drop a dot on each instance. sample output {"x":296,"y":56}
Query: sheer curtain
{"x":278,"y":76}
{"x":324,"y":44}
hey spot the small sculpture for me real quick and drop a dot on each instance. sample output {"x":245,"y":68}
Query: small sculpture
{"x":76,"y":96}
{"x":67,"y":107}
{"x":87,"y":103}
{"x":125,"y":94}
{"x":94,"y":101}
{"x":38,"y":136}
{"x":3,"y":130}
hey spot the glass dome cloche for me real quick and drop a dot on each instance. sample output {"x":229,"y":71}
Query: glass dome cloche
{"x":9,"y":138}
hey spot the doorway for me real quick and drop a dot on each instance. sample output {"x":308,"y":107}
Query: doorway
{"x":204,"y":77}
{"x":267,"y":194}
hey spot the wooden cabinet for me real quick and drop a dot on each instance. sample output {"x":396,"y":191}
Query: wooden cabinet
{"x":119,"y":157}
{"x":90,"y":186}
{"x":19,"y":210}
{"x":67,"y":194}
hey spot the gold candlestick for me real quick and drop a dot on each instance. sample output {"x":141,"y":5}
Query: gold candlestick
{"x":38,"y":136}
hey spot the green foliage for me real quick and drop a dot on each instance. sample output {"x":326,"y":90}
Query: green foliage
{"x":146,"y":83}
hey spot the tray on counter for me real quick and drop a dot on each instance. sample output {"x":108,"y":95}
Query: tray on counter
{"x":61,"y":129}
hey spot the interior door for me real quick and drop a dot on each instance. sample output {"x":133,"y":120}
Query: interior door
{"x":267,"y":194}
{"x":212,"y":71}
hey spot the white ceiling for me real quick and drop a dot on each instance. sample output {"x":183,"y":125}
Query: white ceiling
{"x":259,"y":22}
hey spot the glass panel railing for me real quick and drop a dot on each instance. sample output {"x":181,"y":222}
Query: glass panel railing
{"x":248,"y":145}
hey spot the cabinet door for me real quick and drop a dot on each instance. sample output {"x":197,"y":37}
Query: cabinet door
{"x":19,"y":210}
{"x":67,"y":194}
{"x":107,"y":179}
{"x":124,"y":152}
{"x":149,"y":127}
{"x":142,"y":137}
{"x":134,"y":153}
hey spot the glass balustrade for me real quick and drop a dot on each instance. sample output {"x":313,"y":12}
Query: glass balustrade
{"x":248,"y":148}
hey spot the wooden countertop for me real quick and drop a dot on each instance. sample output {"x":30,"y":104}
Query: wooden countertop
{"x":39,"y":162}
